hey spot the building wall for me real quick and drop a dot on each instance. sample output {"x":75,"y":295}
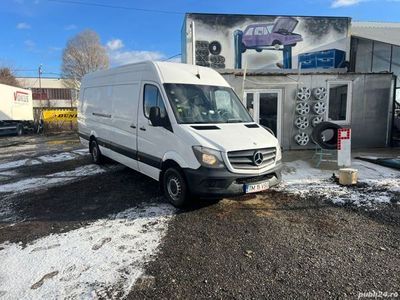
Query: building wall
{"x":375,"y":56}
{"x":371,"y":103}
{"x":50,"y":92}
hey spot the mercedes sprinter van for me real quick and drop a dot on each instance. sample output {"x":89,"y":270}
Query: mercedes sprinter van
{"x":182,"y":125}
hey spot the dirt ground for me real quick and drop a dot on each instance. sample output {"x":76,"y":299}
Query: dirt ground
{"x":271,"y":245}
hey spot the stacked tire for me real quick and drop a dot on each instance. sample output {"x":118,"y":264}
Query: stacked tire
{"x":208,"y":54}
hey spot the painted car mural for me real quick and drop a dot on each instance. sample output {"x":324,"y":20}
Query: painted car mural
{"x":258,"y":36}
{"x":265,"y":42}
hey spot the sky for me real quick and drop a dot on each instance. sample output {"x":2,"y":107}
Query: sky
{"x":34,"y":32}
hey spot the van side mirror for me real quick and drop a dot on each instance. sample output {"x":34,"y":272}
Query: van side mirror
{"x":155,"y":116}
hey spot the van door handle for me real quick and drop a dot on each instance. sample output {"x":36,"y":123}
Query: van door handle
{"x":142,"y":128}
{"x":132,"y":126}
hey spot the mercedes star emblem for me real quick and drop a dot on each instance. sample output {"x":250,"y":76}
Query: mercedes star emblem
{"x":258,"y":158}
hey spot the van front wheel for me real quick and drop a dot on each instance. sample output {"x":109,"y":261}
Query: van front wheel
{"x":95,"y":152}
{"x":175,"y":187}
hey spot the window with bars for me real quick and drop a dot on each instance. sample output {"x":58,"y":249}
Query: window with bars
{"x":51,"y":94}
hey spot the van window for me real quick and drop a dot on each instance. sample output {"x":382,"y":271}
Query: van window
{"x":152,"y":97}
{"x":196,"y":104}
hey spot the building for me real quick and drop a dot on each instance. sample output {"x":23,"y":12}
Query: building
{"x":293,"y":72}
{"x":375,"y":47}
{"x":50,"y":92}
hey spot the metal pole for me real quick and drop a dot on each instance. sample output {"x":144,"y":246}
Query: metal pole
{"x":41,"y":96}
{"x":193,"y":44}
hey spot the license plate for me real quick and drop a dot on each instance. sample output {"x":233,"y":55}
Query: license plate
{"x":257,"y":187}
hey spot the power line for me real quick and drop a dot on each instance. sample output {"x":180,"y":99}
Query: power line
{"x":173,"y":56}
{"x":118,"y":7}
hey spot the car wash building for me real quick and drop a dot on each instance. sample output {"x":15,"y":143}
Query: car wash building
{"x":294,"y":72}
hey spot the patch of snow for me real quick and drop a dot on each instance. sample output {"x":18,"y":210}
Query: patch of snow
{"x":18,"y":163}
{"x":103,"y":259}
{"x":48,"y":158}
{"x":52,"y":158}
{"x":83,"y":151}
{"x":8,"y":173}
{"x":36,"y":183}
{"x":377,"y":184}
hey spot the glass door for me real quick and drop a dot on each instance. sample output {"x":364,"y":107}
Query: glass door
{"x":265,"y":106}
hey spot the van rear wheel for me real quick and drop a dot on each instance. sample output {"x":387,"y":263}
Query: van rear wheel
{"x":20,"y":130}
{"x":94,"y":149}
{"x":175,"y":187}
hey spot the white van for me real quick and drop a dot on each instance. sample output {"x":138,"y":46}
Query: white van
{"x":179,"y":124}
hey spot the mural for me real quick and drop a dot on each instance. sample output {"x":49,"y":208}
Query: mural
{"x":265,"y":42}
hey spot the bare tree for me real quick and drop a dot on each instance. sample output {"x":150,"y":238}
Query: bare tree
{"x":7,"y":77}
{"x":83,"y":54}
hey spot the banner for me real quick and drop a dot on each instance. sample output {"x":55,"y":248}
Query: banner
{"x":60,"y":114}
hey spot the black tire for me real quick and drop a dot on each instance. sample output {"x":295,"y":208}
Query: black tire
{"x":276,"y":44}
{"x":20,"y":129}
{"x":215,"y":48}
{"x":259,"y":50}
{"x":317,"y":135}
{"x":95,"y":153}
{"x":175,"y":187}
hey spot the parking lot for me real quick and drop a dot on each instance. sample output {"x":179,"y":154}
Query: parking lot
{"x":71,"y":229}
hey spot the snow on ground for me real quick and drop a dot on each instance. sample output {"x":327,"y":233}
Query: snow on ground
{"x":64,"y":177}
{"x":18,"y":163}
{"x":377,"y":184}
{"x":101,"y":260}
{"x":83,"y":151}
{"x":49,"y":158}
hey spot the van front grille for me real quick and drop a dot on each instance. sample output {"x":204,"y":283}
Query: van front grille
{"x":245,"y":159}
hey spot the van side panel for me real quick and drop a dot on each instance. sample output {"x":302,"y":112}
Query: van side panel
{"x":123,"y":133}
{"x":95,"y":117}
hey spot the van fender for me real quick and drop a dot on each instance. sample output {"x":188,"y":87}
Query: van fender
{"x":172,"y":155}
{"x":93,"y":133}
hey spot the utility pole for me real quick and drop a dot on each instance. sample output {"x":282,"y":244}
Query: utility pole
{"x":40,"y":71}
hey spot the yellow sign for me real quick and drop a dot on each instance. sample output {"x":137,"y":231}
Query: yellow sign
{"x":61,"y":114}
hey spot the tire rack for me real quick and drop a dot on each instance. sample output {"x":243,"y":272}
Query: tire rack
{"x":306,"y":97}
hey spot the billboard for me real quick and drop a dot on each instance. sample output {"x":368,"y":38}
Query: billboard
{"x":265,"y":42}
{"x":60,"y":114}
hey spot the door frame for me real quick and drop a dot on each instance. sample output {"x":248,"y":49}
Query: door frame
{"x":256,"y":107}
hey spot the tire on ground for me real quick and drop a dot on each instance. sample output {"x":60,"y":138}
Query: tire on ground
{"x":20,"y":129}
{"x":95,"y":153}
{"x":175,"y":187}
{"x":317,"y":135}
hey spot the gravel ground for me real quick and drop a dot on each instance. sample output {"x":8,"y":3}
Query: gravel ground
{"x":273,"y":245}
{"x":276,"y":246}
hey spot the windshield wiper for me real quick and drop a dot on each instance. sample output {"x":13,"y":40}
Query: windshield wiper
{"x":234,"y":121}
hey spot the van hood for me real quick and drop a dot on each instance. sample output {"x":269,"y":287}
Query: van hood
{"x":231,"y":136}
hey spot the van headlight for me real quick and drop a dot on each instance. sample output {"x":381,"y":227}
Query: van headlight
{"x":278,"y":153}
{"x":207,"y":157}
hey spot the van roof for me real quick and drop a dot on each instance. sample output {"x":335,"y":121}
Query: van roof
{"x":168,"y":72}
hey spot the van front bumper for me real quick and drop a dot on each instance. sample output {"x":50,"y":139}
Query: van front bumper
{"x":209,"y":182}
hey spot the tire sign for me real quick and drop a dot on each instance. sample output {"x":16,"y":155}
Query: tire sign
{"x":344,"y":147}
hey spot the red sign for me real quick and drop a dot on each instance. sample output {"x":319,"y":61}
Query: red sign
{"x":21,"y":96}
{"x":343,"y":134}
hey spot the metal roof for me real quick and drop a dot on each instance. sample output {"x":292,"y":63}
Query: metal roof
{"x":378,"y":31}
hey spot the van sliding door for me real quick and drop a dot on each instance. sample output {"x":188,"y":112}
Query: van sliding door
{"x":124,"y":117}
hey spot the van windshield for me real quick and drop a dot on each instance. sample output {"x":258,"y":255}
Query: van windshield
{"x":198,"y":104}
